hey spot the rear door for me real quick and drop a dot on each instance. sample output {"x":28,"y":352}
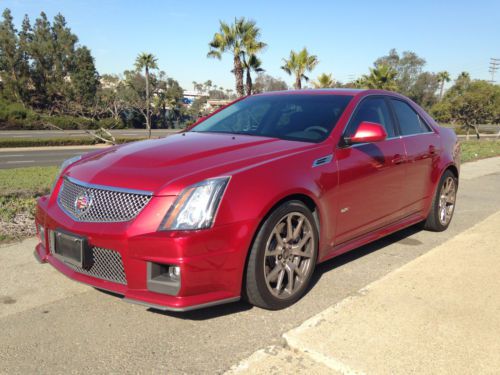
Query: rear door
{"x":422,"y":151}
{"x":370,"y":175}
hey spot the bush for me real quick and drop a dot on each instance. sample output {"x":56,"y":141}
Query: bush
{"x":39,"y":142}
{"x":69,"y":122}
{"x":14,"y":112}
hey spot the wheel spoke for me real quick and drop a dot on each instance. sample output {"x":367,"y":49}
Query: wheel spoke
{"x":290,"y":284}
{"x":302,"y":242}
{"x":297,"y":229}
{"x":296,"y":269}
{"x":277,"y":234}
{"x":273,"y":275}
{"x":279,"y":284}
{"x":298,"y":252}
{"x":289,"y":228}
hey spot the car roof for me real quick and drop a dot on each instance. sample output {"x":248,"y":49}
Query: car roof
{"x":337,"y":91}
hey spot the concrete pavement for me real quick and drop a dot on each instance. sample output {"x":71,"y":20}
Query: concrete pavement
{"x":438,"y":314}
{"x":53,"y":325}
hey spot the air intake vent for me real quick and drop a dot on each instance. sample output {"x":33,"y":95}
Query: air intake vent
{"x":323,"y":160}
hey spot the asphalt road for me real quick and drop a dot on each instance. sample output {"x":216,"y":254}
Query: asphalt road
{"x":13,"y":158}
{"x":69,"y":328}
{"x":132,"y":133}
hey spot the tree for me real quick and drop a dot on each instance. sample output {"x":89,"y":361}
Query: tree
{"x":252,"y":65}
{"x":9,"y":57}
{"x":265,"y":83}
{"x":84,"y":77}
{"x":478,"y":104}
{"x":147,"y":61}
{"x":408,"y":68}
{"x":252,"y":46}
{"x":298,"y":64}
{"x":108,"y":96}
{"x":442,"y":77}
{"x":382,"y":77}
{"x":234,"y":39}
{"x":424,"y":90}
{"x":324,"y":81}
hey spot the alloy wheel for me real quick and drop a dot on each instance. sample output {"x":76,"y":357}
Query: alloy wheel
{"x":447,"y":198}
{"x":288,"y":255}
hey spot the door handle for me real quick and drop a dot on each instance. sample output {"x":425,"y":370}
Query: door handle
{"x":432,"y":150}
{"x":398,"y":159}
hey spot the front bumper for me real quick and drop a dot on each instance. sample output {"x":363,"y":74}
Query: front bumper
{"x":211,"y":261}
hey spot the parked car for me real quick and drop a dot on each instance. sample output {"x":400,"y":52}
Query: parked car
{"x":248,"y":201}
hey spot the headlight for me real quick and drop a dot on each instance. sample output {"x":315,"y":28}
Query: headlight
{"x":65,"y":164}
{"x":196,"y":206}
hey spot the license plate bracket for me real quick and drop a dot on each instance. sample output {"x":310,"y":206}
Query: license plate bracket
{"x":72,"y":249}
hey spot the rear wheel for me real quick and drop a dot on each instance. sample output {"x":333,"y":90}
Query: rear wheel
{"x":443,"y":204}
{"x":282,"y":258}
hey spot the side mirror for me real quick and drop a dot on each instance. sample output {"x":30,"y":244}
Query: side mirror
{"x":368,"y":132}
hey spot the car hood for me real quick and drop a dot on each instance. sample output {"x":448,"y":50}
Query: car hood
{"x":164,"y":166}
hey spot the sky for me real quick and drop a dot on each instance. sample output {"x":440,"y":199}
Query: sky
{"x":347,"y":36}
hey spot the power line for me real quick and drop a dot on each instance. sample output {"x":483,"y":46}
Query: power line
{"x":494,"y":66}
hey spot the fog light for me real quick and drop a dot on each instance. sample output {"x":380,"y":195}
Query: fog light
{"x":174,"y":272}
{"x":163,"y":278}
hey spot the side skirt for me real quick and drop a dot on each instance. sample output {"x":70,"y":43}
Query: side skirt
{"x":372,"y":236}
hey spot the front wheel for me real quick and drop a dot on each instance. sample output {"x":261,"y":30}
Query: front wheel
{"x":443,"y":204}
{"x":282,"y":258}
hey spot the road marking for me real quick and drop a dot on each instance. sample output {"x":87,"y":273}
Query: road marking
{"x":11,"y":156}
{"x":19,"y":161}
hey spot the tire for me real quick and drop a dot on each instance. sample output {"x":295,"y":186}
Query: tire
{"x":444,"y":199}
{"x":279,"y":255}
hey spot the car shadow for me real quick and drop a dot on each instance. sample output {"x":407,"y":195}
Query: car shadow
{"x":400,"y":236}
{"x":339,"y":261}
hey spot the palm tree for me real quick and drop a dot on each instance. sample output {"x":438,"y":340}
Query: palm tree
{"x":235,"y":39}
{"x":147,"y":61}
{"x":442,"y":77}
{"x":253,"y":64}
{"x":324,"y":81}
{"x":299,"y":63}
{"x":381,"y":77}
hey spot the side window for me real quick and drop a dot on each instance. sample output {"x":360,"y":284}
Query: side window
{"x":372,"y":110}
{"x":409,"y":121}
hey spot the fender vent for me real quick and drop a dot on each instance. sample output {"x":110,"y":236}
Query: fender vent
{"x":324,"y":160}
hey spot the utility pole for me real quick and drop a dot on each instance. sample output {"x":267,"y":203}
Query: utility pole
{"x":494,"y":66}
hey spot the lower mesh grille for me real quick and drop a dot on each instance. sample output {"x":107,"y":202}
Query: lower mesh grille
{"x":107,"y":265}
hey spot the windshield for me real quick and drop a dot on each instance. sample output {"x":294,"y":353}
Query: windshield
{"x":299,"y":117}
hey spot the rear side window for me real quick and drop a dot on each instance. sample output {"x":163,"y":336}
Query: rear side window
{"x":409,"y":121}
{"x":372,"y":110}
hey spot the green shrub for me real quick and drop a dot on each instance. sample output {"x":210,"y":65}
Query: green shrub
{"x":40,"y":142}
{"x":16,"y":111}
{"x":69,"y":122}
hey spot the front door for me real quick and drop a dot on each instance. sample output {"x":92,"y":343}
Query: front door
{"x":370,"y":175}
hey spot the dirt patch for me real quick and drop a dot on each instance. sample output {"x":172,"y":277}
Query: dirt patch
{"x":20,"y":227}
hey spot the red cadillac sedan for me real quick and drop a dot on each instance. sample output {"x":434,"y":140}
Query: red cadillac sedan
{"x":246,"y":202}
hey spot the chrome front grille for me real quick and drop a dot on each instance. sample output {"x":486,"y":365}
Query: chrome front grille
{"x":95,"y":203}
{"x":106,"y":264}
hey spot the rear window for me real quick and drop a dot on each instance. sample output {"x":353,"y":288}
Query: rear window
{"x":409,"y":121}
{"x":300,"y":117}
